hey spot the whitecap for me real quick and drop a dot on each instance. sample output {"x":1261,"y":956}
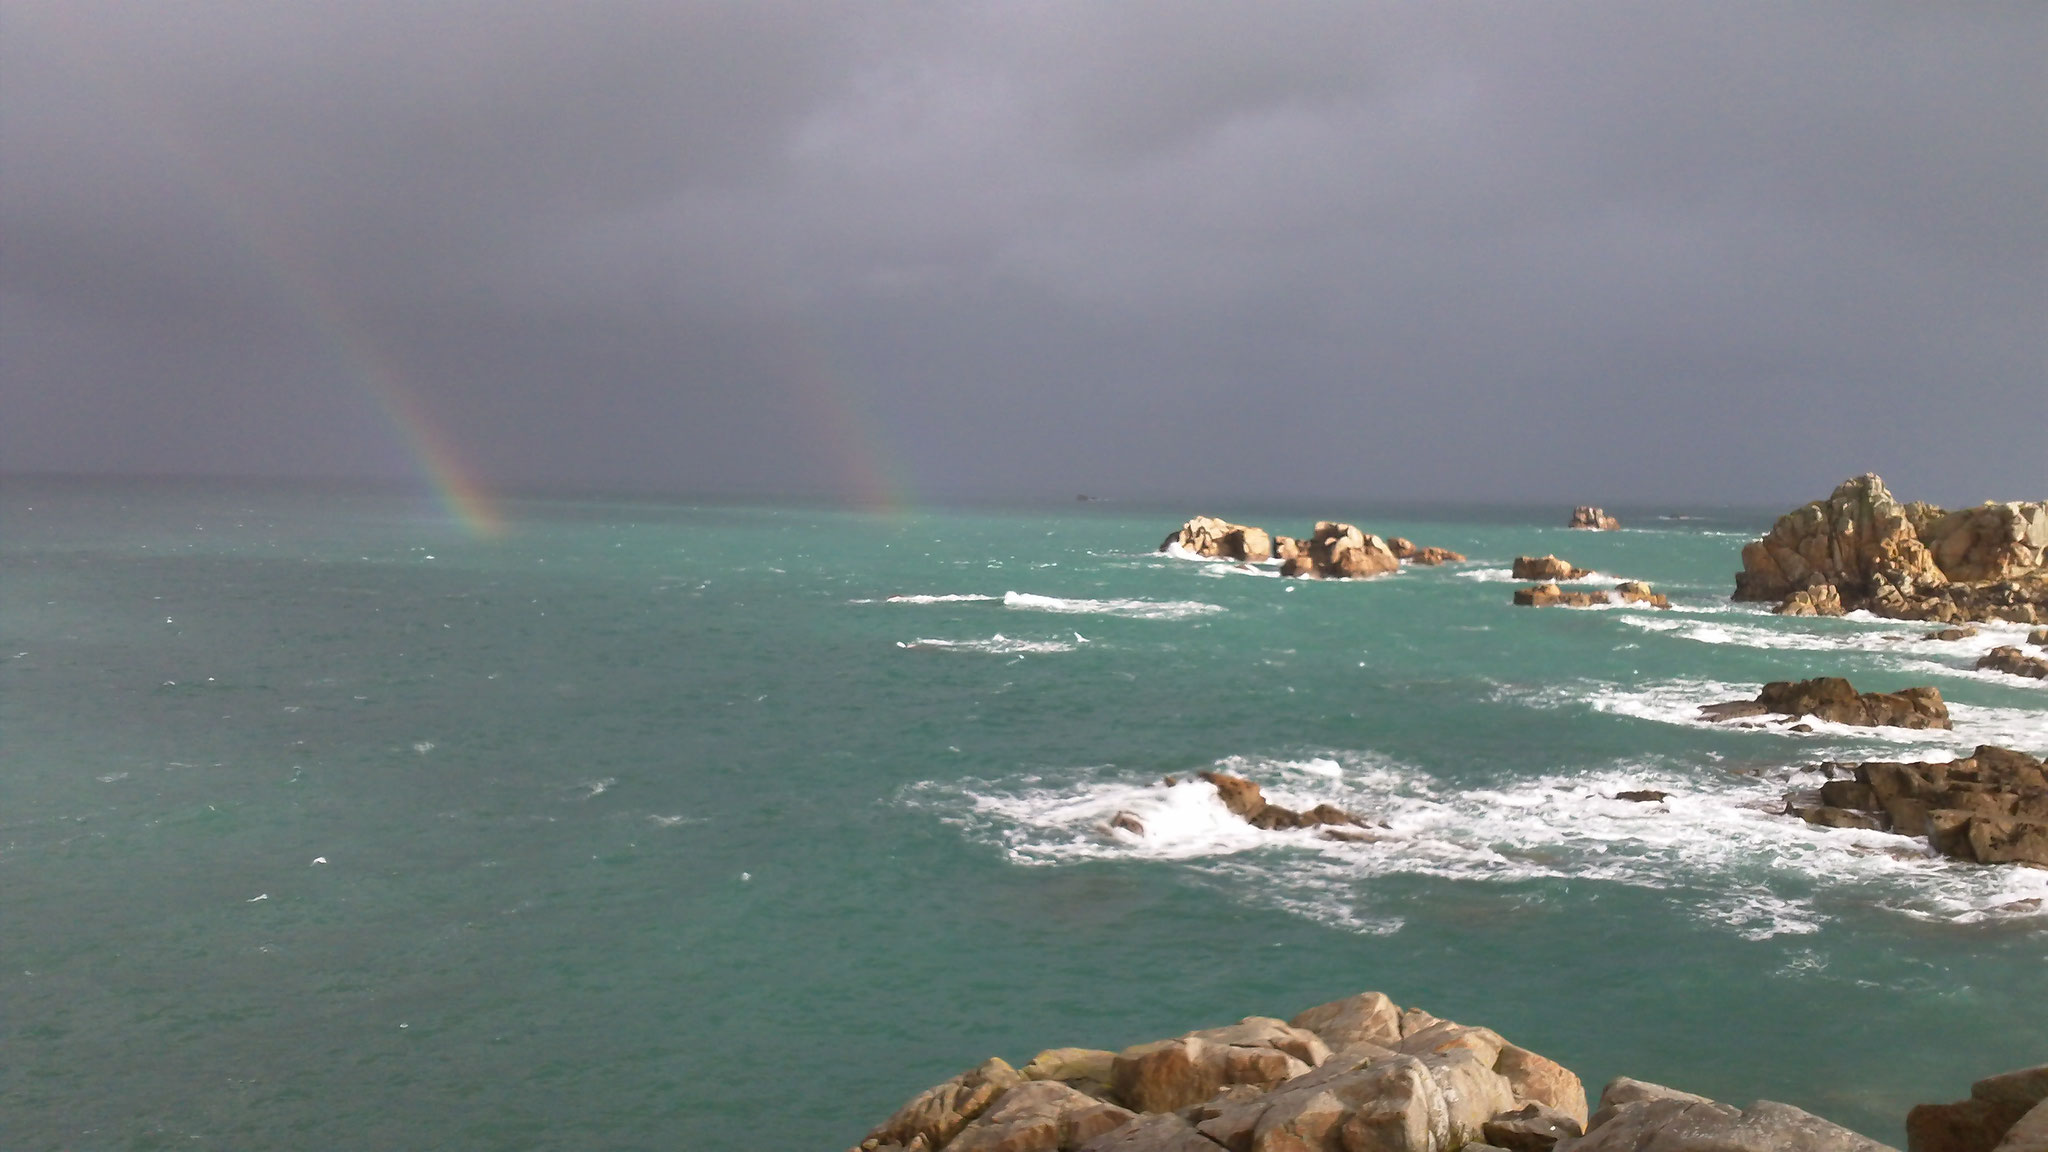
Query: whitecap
{"x":997,"y":644}
{"x":1135,"y":609}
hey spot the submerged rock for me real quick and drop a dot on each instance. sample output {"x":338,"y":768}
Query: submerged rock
{"x":1587,"y":516}
{"x":1862,"y":549}
{"x":1834,"y":699}
{"x":1248,"y":803}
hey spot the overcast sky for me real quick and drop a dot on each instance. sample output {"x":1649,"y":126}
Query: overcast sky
{"x":1558,"y":251}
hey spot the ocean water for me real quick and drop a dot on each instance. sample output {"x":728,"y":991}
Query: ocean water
{"x":324,"y":824}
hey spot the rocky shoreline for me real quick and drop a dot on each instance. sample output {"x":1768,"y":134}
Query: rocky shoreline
{"x":1362,"y":1075}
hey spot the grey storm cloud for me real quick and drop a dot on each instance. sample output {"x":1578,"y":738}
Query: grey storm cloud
{"x":1714,"y":252}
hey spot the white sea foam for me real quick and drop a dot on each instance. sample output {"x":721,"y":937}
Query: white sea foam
{"x":998,"y":644}
{"x":1716,"y":842}
{"x":1679,"y":702}
{"x":946,"y":598}
{"x":1895,"y":645}
{"x":1136,"y":609}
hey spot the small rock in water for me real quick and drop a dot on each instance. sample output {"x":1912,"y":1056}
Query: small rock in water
{"x":1128,"y":823}
{"x":1642,"y":796}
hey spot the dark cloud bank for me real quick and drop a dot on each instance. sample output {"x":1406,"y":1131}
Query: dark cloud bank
{"x":1712,"y":252}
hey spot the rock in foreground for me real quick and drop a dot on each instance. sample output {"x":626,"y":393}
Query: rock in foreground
{"x":1989,"y":808}
{"x":1835,"y":700}
{"x":1353,"y":1075}
{"x":1862,"y":549}
{"x":2005,"y":1113}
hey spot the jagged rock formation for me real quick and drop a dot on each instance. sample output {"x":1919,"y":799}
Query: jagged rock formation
{"x":1587,"y":516}
{"x":1834,"y":699}
{"x":1860,"y":548}
{"x":1547,"y":568}
{"x":1334,"y":551}
{"x":1208,"y":536}
{"x":1353,"y":1075}
{"x":2006,"y":658}
{"x":1626,"y":592}
{"x":2005,"y":1113}
{"x":1340,"y":551}
{"x":1990,"y":807}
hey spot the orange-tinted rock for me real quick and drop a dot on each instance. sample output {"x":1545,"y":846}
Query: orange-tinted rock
{"x":1547,"y":568}
{"x":1587,"y":516}
{"x":1208,"y":536}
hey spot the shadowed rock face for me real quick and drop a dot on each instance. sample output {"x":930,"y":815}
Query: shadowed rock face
{"x":2006,"y":1113}
{"x":1989,"y":808}
{"x":1860,"y":548}
{"x":1340,"y":551}
{"x":2008,"y":659}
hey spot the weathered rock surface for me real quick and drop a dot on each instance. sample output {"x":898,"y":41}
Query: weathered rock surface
{"x":1990,"y":807}
{"x":1907,"y":561}
{"x":1587,"y":516}
{"x":2006,"y":658}
{"x":1353,"y":1075}
{"x":1677,"y":1125}
{"x":1341,"y":552}
{"x":2038,"y":637}
{"x":2004,"y":1112}
{"x":1208,"y":536}
{"x":1833,"y":699}
{"x":1547,"y":568}
{"x":1433,"y":556}
{"x":1247,"y":802}
{"x":1626,"y":592}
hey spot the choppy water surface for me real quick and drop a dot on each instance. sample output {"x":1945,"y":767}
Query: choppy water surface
{"x":645,"y":825}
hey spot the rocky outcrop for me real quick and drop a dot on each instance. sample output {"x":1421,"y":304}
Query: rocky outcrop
{"x":1638,"y":1117}
{"x":1547,"y":568}
{"x":1248,"y":803}
{"x":1833,"y":699}
{"x":2038,"y":637}
{"x":1990,"y":807}
{"x":1907,"y":561}
{"x":1342,"y":552}
{"x":2006,"y":658}
{"x":1950,"y":634}
{"x":1587,"y":516}
{"x":1208,"y":536}
{"x":2005,"y":1113}
{"x":1356,"y":1073}
{"x":1626,"y":592}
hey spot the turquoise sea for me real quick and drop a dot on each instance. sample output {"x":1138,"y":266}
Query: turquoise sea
{"x":326,"y":824}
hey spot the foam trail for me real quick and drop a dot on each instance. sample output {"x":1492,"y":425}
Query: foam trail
{"x":998,"y":644}
{"x":1135,"y":609}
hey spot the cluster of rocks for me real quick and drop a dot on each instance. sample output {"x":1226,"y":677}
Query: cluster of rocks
{"x":1587,"y":516}
{"x":1248,"y":802}
{"x":1334,"y":550}
{"x":1862,"y":549}
{"x":1990,"y":807}
{"x":1835,"y":700}
{"x":1551,"y":569}
{"x":1361,"y":1075}
{"x":2005,"y":1113}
